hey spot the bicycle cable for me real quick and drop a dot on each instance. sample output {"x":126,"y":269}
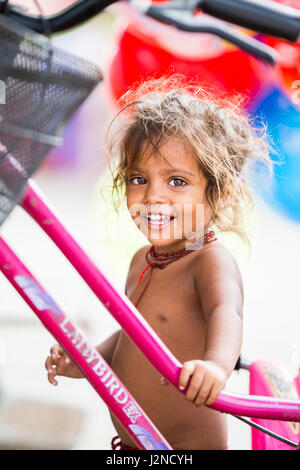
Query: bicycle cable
{"x":267,"y":431}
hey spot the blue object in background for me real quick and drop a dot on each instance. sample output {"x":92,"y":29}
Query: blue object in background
{"x":283,"y":126}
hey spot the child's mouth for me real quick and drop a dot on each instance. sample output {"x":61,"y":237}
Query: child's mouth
{"x":158,"y":221}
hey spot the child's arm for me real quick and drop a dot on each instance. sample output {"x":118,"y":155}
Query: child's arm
{"x":59,"y":363}
{"x":220,"y":289}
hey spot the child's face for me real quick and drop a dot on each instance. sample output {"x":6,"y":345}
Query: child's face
{"x":166,"y":196}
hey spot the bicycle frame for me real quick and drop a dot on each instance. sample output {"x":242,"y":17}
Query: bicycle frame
{"x":130,"y":319}
{"x":87,"y":358}
{"x":92,"y":365}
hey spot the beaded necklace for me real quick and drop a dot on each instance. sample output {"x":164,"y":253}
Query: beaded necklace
{"x":163,"y":259}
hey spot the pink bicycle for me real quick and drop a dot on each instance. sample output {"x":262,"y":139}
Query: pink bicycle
{"x":52,"y":85}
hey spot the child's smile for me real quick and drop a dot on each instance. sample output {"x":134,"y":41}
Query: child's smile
{"x":158,"y":221}
{"x":166,"y":196}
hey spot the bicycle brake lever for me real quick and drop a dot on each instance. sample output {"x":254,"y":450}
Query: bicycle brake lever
{"x":186,"y":21}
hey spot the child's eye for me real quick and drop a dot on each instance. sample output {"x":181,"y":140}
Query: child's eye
{"x":177,"y":182}
{"x":137,"y":180}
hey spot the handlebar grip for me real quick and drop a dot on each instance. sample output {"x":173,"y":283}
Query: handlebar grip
{"x":72,"y":16}
{"x":263,"y":16}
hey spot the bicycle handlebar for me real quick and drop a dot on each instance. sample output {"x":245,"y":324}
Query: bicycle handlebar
{"x":70,"y":17}
{"x":186,"y":21}
{"x":265,"y":17}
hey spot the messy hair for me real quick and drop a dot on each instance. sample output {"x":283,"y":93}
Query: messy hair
{"x":216,"y":131}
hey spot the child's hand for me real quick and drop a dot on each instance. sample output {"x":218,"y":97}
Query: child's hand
{"x":59,"y":363}
{"x":207,"y":380}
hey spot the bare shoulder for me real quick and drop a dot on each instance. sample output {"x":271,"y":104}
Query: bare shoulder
{"x":217,"y":274}
{"x":138,"y":261}
{"x":216,"y":256}
{"x":139,"y":256}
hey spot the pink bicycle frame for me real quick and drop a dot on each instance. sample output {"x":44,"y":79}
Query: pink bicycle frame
{"x":87,"y":358}
{"x":92,"y":365}
{"x":136,"y":326}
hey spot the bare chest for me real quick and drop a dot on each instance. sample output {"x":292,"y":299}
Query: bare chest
{"x":168,"y":300}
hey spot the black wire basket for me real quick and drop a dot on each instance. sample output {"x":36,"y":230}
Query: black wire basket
{"x":41,"y":87}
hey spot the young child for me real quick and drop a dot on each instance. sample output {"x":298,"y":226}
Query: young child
{"x":181,"y":156}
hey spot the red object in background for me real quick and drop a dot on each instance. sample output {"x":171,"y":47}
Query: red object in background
{"x":147,"y":48}
{"x":289,"y":3}
{"x":288,"y":66}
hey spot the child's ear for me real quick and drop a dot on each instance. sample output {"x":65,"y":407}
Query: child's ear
{"x":209,"y":193}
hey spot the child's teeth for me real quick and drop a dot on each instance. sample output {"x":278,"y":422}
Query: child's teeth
{"x":158,"y":219}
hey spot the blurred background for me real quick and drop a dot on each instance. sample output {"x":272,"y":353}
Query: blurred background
{"x":127,"y":48}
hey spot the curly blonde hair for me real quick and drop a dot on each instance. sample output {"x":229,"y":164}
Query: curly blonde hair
{"x":217,"y":131}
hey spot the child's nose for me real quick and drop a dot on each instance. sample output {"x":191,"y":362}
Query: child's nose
{"x":155,"y":193}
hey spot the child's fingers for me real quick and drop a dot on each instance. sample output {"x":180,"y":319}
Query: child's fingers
{"x":48,"y":363}
{"x":59,"y":356}
{"x":56,"y":351}
{"x":51,"y":378}
{"x":51,"y":364}
{"x":57,"y":366}
{"x":57,"y":363}
{"x":204,"y":391}
{"x":62,"y":365}
{"x":186,"y":371}
{"x":195,"y":384}
{"x":51,"y":371}
{"x":214,"y":393}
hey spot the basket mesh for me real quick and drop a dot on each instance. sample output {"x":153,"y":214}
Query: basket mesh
{"x":41,"y":87}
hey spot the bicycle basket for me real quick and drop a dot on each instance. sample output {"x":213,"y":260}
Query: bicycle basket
{"x":41,"y":87}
